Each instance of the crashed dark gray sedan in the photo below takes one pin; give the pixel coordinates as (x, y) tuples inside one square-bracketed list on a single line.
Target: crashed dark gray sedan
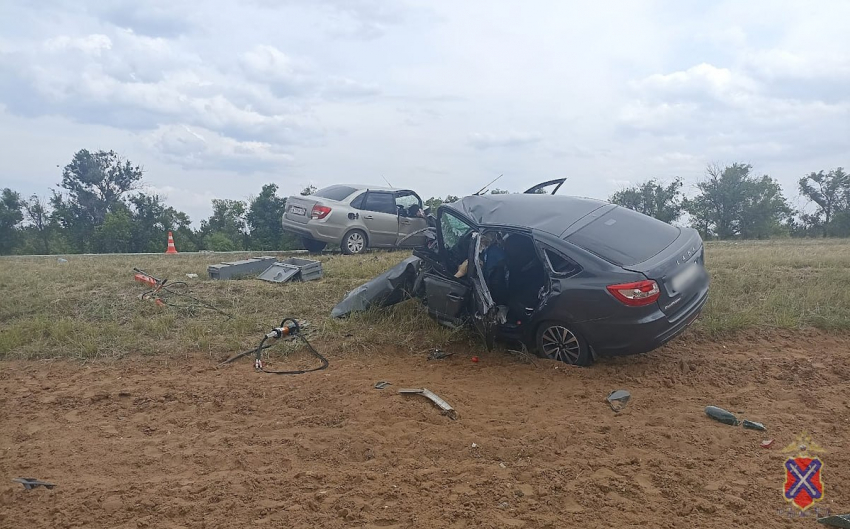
[(572, 278)]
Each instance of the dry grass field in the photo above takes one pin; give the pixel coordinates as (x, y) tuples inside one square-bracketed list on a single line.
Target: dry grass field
[(89, 306)]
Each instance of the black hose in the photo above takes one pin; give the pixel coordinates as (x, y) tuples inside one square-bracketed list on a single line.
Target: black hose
[(258, 351)]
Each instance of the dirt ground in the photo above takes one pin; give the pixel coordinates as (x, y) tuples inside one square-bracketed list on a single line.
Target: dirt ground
[(156, 442)]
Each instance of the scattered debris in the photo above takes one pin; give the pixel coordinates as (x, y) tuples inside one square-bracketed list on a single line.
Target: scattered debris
[(839, 520), (31, 483), (474, 445), (475, 359), (750, 425), (289, 327), (438, 354), (719, 414), (382, 384), (235, 269), (767, 443), (165, 292), (389, 288), (618, 399), (192, 276), (502, 465), (293, 269), (61, 260), (447, 409)]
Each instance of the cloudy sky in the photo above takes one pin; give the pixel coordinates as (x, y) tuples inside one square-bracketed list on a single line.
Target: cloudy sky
[(217, 98)]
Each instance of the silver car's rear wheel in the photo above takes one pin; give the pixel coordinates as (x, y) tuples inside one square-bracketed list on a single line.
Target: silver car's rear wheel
[(557, 341), (353, 243)]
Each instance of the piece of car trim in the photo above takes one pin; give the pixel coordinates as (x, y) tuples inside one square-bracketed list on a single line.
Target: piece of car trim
[(443, 405), (31, 483)]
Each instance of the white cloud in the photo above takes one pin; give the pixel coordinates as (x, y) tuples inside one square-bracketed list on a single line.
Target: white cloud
[(91, 44), (431, 94), (487, 140), (197, 148)]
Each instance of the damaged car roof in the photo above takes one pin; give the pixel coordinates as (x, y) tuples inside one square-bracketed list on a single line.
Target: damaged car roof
[(550, 213)]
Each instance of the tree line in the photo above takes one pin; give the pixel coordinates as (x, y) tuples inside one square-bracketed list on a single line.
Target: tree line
[(98, 208), (734, 203)]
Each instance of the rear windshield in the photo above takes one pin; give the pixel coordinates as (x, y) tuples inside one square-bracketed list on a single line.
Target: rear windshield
[(625, 237), (334, 192)]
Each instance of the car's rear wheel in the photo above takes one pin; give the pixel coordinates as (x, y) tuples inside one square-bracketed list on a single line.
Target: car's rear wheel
[(558, 341), (353, 243), (312, 245)]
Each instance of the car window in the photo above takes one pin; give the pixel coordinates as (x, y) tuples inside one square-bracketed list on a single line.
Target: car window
[(380, 202), (408, 205), (452, 229), (334, 192), (357, 203), (561, 264), (406, 201)]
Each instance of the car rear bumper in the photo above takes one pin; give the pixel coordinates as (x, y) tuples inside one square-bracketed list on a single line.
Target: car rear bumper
[(610, 338), (315, 231)]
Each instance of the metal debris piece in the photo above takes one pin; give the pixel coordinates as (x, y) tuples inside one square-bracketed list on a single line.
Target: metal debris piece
[(382, 384), (719, 414), (438, 354), (236, 269), (750, 425), (839, 520), (767, 443), (31, 483), (618, 399), (447, 409)]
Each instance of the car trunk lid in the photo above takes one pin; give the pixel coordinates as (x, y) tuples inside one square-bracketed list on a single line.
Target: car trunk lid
[(679, 271), (298, 209)]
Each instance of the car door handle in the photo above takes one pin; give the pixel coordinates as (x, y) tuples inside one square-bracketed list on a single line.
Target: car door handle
[(454, 297), (406, 222), (367, 216)]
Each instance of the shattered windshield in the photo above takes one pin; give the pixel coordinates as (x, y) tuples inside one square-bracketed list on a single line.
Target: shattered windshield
[(453, 229)]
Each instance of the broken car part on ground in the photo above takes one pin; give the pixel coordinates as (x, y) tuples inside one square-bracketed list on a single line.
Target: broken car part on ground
[(32, 483), (433, 397), (618, 399), (572, 278)]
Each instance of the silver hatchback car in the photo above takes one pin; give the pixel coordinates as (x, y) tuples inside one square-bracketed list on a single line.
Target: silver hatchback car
[(356, 217)]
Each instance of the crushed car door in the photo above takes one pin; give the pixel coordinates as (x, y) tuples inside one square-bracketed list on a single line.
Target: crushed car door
[(447, 294), (411, 220), (446, 299), (540, 189)]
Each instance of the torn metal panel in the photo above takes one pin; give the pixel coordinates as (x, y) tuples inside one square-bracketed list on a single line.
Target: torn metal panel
[(393, 286), (280, 273), (443, 405), (234, 269)]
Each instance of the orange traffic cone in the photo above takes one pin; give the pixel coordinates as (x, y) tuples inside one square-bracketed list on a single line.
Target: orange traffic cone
[(171, 248)]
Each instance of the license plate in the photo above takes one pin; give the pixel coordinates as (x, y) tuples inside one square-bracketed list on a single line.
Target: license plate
[(684, 278), (297, 210)]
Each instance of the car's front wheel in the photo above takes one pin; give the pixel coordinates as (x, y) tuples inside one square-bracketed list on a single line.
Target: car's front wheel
[(558, 341), (312, 245), (353, 243)]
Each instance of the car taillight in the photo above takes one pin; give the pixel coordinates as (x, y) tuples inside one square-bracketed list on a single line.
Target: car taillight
[(319, 212), (636, 294)]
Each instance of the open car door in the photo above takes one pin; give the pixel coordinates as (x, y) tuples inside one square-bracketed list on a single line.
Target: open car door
[(540, 189), (485, 314)]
